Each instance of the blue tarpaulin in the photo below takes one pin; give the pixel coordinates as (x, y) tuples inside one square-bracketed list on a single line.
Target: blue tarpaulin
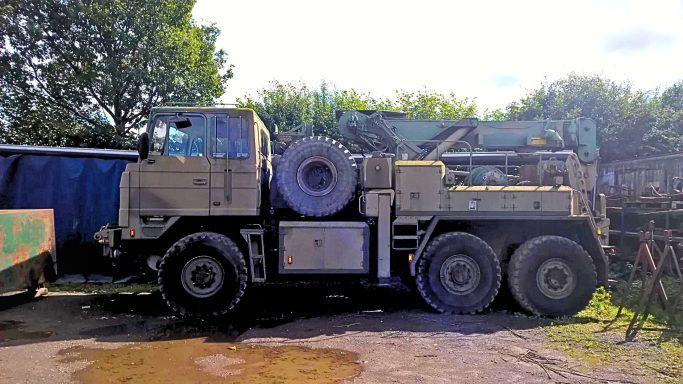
[(82, 189)]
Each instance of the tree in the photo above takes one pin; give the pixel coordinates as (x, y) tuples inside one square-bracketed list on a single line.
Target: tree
[(672, 97), (629, 121), (288, 105), (672, 109), (86, 73), (283, 105), (432, 105)]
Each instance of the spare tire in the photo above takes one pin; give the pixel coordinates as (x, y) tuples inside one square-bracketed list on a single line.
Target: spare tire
[(317, 176), (276, 200)]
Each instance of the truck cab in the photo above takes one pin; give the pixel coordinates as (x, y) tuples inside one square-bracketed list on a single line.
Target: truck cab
[(201, 163)]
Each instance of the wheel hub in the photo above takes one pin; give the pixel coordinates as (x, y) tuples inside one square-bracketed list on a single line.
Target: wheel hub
[(460, 274), (202, 276), (316, 176), (555, 279)]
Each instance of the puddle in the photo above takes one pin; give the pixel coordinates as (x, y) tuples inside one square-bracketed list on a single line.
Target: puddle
[(11, 330), (195, 360)]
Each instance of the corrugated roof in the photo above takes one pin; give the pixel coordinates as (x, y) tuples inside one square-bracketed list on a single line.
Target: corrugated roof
[(667, 156)]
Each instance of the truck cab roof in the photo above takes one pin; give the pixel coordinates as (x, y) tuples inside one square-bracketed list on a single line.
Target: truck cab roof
[(209, 109)]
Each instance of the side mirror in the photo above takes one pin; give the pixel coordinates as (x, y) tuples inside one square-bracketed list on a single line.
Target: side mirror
[(143, 146)]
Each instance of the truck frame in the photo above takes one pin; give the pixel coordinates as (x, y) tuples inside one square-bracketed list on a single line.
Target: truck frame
[(452, 205)]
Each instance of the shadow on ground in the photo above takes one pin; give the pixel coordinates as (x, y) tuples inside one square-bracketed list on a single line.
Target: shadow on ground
[(274, 310)]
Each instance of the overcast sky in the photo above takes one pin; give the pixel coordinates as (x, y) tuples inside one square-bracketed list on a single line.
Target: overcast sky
[(493, 51)]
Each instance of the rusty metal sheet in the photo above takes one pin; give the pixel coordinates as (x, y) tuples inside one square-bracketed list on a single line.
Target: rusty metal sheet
[(27, 248)]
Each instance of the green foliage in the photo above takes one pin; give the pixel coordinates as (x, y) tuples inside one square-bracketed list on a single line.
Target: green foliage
[(86, 73), (631, 122), (281, 105), (672, 97), (600, 307), (671, 118), (432, 105), (496, 115), (288, 105)]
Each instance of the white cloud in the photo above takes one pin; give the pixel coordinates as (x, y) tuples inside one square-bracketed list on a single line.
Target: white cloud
[(491, 50), (503, 80), (637, 40)]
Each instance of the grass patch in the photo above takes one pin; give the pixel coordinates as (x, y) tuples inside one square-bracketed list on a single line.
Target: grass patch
[(596, 337), (104, 288)]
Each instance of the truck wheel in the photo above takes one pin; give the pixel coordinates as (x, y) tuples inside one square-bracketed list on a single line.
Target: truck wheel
[(203, 274), (458, 273), (317, 176), (552, 275)]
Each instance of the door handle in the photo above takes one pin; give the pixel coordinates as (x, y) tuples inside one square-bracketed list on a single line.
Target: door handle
[(199, 181)]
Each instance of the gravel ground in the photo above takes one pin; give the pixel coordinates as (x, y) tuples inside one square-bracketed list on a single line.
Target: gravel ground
[(390, 335)]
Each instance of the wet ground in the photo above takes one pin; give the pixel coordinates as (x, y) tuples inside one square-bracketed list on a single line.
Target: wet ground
[(195, 360), (13, 331), (315, 333)]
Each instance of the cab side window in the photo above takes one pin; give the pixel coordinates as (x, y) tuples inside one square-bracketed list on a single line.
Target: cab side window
[(177, 141), (231, 138), (178, 135), (265, 142), (158, 142)]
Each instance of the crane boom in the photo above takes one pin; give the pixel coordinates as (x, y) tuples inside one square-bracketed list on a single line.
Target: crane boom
[(420, 139)]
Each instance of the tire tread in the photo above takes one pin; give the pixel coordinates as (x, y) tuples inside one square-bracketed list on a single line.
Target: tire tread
[(521, 257), (421, 275), (177, 249), (288, 188)]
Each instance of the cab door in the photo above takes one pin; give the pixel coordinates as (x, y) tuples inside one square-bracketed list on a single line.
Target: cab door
[(235, 181), (174, 179)]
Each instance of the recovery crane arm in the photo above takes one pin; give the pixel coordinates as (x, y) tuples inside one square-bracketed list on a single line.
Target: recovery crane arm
[(427, 139)]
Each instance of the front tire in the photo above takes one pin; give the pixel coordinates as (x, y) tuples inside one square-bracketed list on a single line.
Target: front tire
[(552, 275), (458, 273), (203, 274)]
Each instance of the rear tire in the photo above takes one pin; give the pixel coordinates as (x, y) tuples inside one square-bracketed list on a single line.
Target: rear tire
[(317, 176), (552, 275), (203, 274), (458, 273)]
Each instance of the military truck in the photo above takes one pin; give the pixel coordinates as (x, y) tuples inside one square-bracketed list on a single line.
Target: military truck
[(448, 205)]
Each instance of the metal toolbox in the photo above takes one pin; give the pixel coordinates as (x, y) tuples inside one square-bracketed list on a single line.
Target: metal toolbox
[(324, 247)]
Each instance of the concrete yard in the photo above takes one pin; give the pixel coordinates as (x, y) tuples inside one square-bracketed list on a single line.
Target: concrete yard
[(282, 334)]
